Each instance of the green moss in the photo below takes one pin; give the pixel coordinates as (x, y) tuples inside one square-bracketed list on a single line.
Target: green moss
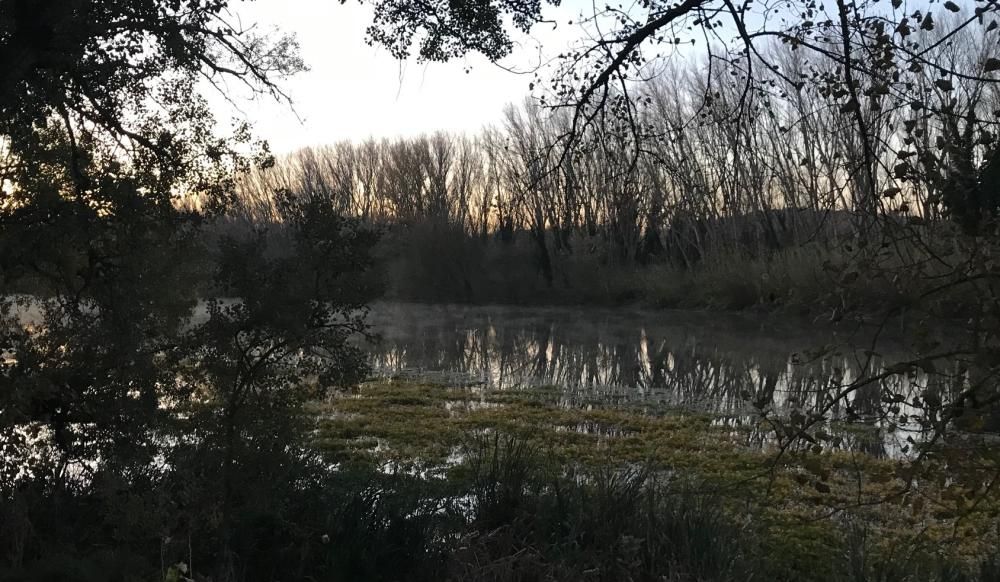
[(789, 501)]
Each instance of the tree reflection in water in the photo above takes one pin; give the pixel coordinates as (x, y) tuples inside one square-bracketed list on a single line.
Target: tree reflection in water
[(732, 365)]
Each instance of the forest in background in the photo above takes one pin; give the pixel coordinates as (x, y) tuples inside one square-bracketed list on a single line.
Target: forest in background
[(704, 212)]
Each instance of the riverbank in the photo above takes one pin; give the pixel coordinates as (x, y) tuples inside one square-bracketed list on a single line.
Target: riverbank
[(814, 281), (824, 512), (471, 272)]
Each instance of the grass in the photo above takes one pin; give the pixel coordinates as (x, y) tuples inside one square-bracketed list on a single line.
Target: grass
[(810, 515)]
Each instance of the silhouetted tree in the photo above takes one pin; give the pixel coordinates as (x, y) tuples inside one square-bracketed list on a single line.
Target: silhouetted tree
[(144, 421)]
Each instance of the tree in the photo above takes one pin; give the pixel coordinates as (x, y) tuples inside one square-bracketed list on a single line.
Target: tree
[(124, 73), (125, 388), (911, 104)]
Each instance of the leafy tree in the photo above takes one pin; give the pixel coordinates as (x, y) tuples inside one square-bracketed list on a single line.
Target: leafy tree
[(133, 415)]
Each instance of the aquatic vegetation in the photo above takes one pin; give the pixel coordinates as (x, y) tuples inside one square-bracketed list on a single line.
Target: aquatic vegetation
[(799, 505)]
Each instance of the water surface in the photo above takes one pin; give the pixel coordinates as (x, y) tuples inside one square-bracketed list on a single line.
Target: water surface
[(729, 364)]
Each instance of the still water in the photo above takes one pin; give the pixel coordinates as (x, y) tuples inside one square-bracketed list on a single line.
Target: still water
[(728, 364)]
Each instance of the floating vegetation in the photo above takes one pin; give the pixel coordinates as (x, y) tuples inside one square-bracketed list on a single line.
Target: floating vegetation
[(795, 496)]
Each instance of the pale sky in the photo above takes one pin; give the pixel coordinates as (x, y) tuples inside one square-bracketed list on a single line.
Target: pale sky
[(354, 91)]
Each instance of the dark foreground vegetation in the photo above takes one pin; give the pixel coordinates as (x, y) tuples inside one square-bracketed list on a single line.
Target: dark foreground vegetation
[(502, 515), (836, 516), (176, 309)]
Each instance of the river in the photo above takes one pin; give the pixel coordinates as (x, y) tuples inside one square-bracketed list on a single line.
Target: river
[(733, 365)]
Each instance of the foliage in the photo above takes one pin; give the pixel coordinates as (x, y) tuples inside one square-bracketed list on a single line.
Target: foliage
[(151, 386), (446, 30)]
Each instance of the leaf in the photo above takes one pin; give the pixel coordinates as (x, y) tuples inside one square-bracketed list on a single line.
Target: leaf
[(927, 23), (991, 64), (944, 84), (897, 3), (951, 6)]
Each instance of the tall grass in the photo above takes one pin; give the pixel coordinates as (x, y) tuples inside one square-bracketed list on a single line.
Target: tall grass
[(536, 522)]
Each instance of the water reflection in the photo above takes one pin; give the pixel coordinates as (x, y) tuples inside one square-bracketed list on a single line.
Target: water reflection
[(731, 365)]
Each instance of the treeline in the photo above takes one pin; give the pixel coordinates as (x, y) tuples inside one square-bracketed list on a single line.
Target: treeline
[(682, 187)]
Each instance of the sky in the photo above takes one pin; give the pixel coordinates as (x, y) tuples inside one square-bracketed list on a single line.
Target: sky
[(353, 91)]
